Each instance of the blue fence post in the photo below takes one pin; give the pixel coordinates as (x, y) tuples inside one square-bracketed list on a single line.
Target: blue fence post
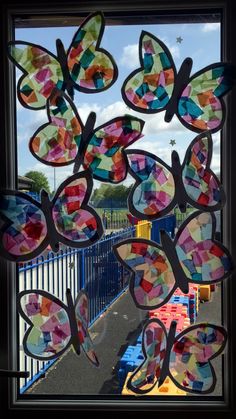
[(167, 223), (82, 269)]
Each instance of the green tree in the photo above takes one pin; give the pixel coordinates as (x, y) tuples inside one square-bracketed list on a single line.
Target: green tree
[(110, 195), (40, 181)]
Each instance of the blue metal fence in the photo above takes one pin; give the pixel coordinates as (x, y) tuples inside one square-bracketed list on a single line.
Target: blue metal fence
[(95, 269)]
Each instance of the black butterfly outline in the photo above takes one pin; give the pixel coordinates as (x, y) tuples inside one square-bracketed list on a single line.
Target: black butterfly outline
[(87, 133), (68, 83), (171, 339), (181, 80), (53, 237), (168, 247), (180, 198), (70, 310)]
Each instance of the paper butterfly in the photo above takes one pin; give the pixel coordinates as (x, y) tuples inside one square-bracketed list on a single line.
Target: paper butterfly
[(55, 326), (65, 140), (85, 66), (184, 358), (156, 86), (194, 256), (30, 225), (159, 188)]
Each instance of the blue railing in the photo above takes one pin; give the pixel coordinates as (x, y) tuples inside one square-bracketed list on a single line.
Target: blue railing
[(95, 269)]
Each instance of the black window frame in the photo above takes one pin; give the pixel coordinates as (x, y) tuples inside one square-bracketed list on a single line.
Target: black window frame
[(8, 179)]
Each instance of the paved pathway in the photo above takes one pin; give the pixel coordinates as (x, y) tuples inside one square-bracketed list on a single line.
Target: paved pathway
[(112, 333), (119, 327)]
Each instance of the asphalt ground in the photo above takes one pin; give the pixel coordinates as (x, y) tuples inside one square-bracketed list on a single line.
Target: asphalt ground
[(112, 333)]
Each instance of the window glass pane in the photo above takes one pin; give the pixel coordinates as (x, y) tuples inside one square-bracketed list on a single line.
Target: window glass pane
[(116, 325)]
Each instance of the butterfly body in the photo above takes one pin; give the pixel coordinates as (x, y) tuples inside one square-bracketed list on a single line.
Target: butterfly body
[(182, 78), (62, 59), (85, 138), (55, 326), (181, 279), (47, 210), (159, 187), (84, 67), (185, 358), (73, 324)]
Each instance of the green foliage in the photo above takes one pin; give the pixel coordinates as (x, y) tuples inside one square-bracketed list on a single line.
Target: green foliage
[(110, 195), (40, 181)]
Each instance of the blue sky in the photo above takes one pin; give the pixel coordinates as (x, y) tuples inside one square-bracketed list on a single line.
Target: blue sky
[(201, 42)]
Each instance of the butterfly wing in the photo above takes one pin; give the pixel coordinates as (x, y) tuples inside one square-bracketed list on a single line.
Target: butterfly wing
[(41, 73), (82, 321), (154, 342), (202, 259), (76, 223), (152, 195), (200, 106), (152, 281), (57, 142), (91, 68), (49, 334), (104, 154), (201, 184), (193, 349), (24, 231), (149, 88)]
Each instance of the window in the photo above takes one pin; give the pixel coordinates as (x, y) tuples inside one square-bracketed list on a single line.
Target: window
[(126, 15)]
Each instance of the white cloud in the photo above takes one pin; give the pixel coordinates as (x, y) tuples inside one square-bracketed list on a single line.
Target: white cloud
[(103, 114), (130, 56), (30, 122), (85, 109), (154, 124), (210, 27), (174, 49)]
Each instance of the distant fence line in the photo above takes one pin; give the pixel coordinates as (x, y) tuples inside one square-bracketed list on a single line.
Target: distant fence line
[(114, 213)]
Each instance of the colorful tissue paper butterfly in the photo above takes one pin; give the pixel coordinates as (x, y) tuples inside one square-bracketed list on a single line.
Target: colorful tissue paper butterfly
[(54, 326), (193, 257), (184, 358), (65, 140), (85, 66), (30, 226), (159, 188), (156, 86)]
